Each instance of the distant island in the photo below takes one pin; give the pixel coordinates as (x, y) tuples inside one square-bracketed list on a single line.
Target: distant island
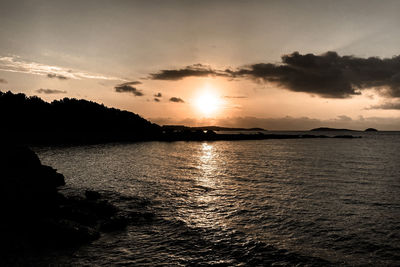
[(326, 129), (370, 130), (30, 120)]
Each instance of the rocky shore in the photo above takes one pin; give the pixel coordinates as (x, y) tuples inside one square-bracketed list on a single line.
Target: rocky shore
[(35, 215)]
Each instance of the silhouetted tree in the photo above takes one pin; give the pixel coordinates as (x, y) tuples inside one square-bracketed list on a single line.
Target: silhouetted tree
[(69, 120)]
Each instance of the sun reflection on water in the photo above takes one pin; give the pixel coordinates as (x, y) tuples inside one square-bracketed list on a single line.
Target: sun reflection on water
[(205, 196), (207, 165)]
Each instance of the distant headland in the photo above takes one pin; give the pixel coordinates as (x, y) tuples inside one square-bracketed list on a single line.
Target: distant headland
[(211, 128), (327, 129)]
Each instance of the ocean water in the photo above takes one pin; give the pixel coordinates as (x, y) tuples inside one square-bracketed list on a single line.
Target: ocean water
[(305, 202)]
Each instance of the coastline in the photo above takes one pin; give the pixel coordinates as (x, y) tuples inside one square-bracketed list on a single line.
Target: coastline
[(74, 139), (38, 218)]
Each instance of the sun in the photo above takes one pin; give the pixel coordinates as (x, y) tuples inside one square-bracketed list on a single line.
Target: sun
[(208, 103)]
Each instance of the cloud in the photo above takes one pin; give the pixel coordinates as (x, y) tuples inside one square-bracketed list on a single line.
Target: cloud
[(328, 75), (3, 80), (50, 91), (387, 105), (15, 64), (126, 88), (133, 83), (176, 100), (156, 97), (196, 70), (53, 75), (233, 96)]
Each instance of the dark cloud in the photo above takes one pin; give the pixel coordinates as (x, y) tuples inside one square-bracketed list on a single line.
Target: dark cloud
[(328, 75), (126, 88), (176, 100), (233, 96), (58, 76), (158, 95), (50, 91), (197, 70), (132, 83), (156, 100), (3, 80), (387, 105)]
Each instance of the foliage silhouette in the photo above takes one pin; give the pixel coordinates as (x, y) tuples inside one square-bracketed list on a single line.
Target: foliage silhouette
[(69, 120)]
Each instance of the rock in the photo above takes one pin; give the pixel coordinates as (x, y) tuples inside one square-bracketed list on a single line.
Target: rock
[(34, 212), (211, 133), (103, 209), (140, 217), (70, 232), (26, 186), (114, 223), (92, 195), (77, 214)]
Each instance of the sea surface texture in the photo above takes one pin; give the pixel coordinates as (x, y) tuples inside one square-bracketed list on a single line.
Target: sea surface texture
[(299, 202)]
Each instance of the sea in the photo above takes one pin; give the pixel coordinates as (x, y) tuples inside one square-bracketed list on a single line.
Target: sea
[(287, 202)]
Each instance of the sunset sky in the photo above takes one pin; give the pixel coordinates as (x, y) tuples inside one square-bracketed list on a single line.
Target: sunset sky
[(280, 65)]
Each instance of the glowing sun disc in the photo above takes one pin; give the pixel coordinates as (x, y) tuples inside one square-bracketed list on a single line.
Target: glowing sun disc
[(207, 103)]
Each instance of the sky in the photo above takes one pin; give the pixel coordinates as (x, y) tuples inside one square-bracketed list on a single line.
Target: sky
[(279, 65)]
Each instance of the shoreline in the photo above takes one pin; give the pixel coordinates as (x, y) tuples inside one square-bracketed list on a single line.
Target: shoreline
[(166, 137), (38, 216)]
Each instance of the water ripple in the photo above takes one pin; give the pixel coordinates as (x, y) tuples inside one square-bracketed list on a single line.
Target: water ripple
[(245, 203)]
